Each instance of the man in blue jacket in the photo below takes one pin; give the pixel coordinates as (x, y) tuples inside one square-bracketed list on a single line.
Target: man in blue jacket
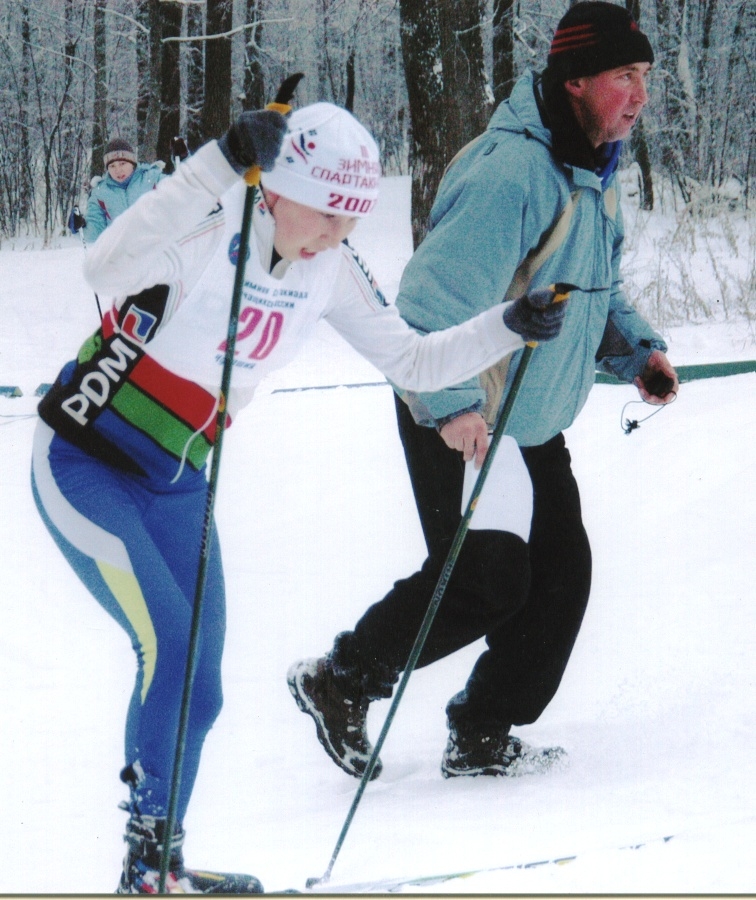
[(533, 202)]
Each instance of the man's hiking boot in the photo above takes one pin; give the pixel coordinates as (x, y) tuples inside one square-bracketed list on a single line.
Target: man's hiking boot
[(339, 715), (493, 751)]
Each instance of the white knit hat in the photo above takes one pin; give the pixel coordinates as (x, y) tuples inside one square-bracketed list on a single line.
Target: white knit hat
[(327, 161)]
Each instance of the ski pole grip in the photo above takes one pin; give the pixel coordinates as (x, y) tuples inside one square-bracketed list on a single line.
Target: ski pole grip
[(561, 293), (252, 175)]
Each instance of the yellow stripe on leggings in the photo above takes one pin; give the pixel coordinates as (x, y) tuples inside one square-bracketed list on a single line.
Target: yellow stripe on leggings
[(126, 590)]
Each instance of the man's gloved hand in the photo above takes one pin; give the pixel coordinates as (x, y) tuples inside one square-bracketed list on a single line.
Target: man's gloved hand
[(76, 221), (254, 140), (535, 316)]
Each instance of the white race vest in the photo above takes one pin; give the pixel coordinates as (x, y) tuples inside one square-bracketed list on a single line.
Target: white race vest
[(275, 317)]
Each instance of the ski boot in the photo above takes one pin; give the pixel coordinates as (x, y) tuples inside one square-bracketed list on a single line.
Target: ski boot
[(145, 836), (340, 719), (476, 750)]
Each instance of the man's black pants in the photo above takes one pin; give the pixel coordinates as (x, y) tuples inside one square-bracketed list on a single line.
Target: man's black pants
[(528, 600)]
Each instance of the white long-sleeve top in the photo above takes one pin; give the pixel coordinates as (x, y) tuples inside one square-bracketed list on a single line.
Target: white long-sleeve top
[(170, 262), (148, 245)]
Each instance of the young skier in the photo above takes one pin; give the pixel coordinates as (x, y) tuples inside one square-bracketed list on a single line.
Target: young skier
[(534, 199), (124, 181), (119, 454)]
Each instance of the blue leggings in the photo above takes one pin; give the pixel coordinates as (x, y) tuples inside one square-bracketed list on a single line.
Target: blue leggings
[(136, 548)]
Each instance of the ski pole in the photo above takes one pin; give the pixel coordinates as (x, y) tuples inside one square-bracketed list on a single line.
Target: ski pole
[(561, 293), (77, 213), (252, 178)]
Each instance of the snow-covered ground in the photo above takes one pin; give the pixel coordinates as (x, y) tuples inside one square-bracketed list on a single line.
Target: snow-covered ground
[(656, 711)]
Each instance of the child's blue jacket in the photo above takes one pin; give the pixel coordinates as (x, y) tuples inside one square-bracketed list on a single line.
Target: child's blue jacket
[(109, 198)]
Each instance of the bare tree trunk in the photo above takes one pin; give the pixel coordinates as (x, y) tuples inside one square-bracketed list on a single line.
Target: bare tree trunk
[(421, 52), (142, 15), (216, 109), (638, 141), (149, 62), (503, 49), (99, 116), (640, 148), (326, 87), (25, 202), (66, 165), (444, 69), (350, 81), (675, 139), (735, 50), (69, 142), (195, 76), (254, 80), (170, 81), (705, 123)]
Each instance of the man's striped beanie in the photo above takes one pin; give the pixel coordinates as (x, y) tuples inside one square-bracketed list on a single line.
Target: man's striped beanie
[(593, 37)]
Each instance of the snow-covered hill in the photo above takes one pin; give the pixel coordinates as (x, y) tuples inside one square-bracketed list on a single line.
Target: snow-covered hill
[(317, 520)]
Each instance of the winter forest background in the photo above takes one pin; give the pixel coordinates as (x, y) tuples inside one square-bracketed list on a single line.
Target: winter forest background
[(655, 709), (423, 75)]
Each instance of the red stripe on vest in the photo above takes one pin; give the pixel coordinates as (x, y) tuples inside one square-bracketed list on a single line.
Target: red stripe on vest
[(186, 400)]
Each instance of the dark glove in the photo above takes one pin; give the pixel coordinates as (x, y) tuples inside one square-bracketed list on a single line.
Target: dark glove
[(657, 383), (179, 149), (535, 316), (76, 221), (254, 140)]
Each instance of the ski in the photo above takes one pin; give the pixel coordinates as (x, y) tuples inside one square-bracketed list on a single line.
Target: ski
[(395, 885), (193, 881), (224, 883), (330, 387)]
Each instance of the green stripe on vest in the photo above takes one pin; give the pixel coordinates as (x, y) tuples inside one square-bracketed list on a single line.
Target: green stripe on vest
[(159, 424)]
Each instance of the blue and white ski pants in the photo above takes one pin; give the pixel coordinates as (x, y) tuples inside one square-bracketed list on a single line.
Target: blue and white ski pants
[(136, 548)]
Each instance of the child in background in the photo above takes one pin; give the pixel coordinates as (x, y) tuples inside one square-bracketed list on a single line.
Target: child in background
[(124, 181)]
